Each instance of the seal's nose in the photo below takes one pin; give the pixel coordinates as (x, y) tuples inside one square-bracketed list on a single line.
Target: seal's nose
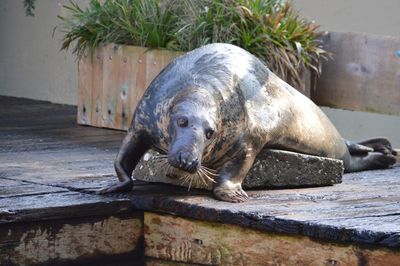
[(184, 162), (192, 166)]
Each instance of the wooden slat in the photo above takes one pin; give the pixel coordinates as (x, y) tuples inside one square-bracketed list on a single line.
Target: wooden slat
[(59, 206), (17, 189), (364, 74), (130, 92), (85, 90), (149, 64), (119, 77), (120, 74), (183, 240), (97, 87), (111, 69), (158, 262), (72, 241), (363, 209)]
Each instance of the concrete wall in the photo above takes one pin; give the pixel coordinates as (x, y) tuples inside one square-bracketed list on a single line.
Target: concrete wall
[(31, 65), (371, 16), (359, 125)]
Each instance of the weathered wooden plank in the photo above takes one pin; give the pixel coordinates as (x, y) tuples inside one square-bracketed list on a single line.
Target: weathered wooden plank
[(320, 213), (42, 144), (61, 155), (158, 262), (111, 62), (59, 206), (120, 84), (62, 135), (156, 60), (55, 146), (85, 69), (14, 188), (97, 87), (183, 240), (120, 75), (72, 240), (364, 74), (71, 177)]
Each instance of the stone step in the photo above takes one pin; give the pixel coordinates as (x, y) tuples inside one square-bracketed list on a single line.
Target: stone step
[(271, 169)]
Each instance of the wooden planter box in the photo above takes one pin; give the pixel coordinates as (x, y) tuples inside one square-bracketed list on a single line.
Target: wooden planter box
[(111, 85), (363, 76)]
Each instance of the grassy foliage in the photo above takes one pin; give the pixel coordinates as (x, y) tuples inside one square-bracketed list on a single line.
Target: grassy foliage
[(29, 6), (132, 22), (269, 29)]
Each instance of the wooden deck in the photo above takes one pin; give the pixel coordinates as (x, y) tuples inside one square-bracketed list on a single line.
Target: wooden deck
[(50, 167)]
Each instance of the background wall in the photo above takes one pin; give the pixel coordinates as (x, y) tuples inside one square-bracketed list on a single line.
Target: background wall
[(371, 16), (32, 66)]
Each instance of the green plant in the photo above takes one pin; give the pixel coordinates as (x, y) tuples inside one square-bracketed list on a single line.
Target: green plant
[(132, 22), (269, 29), (29, 6)]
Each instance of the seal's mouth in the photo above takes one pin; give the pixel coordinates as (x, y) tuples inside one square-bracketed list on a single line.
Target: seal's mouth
[(199, 176), (186, 163)]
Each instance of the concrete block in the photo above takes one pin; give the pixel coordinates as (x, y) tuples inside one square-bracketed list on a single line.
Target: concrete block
[(271, 169)]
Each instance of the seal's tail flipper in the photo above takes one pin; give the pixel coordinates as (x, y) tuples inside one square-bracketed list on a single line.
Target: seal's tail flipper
[(358, 149), (397, 155), (371, 154), (381, 145)]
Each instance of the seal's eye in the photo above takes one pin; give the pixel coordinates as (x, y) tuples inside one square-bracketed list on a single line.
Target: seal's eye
[(209, 133), (182, 122)]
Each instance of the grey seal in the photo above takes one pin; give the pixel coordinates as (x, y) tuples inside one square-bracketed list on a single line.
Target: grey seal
[(213, 110)]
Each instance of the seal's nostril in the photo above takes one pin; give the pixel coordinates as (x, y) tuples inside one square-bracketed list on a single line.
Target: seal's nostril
[(179, 159), (182, 121)]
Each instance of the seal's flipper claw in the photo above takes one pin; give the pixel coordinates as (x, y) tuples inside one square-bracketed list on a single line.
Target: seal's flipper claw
[(381, 145), (374, 160), (230, 193), (358, 149), (382, 161), (119, 187)]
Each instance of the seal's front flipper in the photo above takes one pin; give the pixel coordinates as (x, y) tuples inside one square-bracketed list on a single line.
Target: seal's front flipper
[(229, 191), (132, 149), (230, 177), (119, 187)]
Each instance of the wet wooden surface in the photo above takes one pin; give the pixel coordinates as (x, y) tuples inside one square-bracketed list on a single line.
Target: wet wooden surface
[(50, 167)]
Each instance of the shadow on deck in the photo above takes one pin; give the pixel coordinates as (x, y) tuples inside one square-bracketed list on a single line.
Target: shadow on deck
[(50, 167)]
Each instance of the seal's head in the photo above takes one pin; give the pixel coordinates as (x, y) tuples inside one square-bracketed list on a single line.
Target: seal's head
[(192, 127)]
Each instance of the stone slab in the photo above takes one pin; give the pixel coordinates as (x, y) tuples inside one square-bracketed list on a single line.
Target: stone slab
[(271, 169)]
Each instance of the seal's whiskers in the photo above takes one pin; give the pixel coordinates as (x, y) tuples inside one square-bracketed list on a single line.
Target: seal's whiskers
[(201, 178), (206, 175), (160, 157), (209, 171)]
